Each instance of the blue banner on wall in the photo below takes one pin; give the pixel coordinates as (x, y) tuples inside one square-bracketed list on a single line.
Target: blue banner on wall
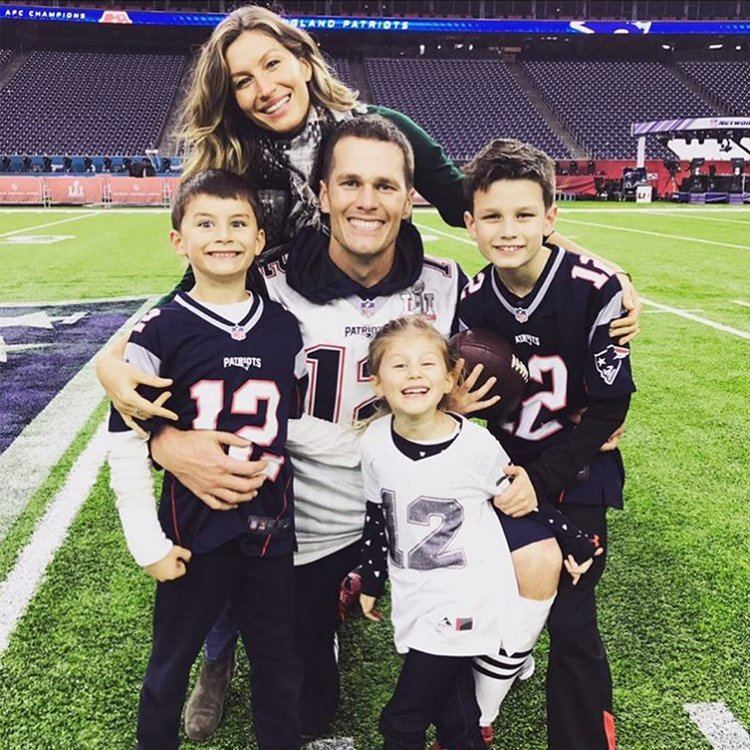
[(389, 25)]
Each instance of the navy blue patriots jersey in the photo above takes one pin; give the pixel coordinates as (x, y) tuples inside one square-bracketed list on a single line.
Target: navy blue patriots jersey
[(561, 331), (247, 378)]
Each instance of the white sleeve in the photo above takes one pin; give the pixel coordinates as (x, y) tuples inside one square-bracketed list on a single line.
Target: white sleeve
[(130, 477), (497, 459), (327, 442), (369, 477)]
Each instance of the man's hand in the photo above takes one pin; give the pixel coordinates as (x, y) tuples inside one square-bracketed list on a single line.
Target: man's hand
[(627, 328), (520, 498), (368, 608), (120, 380), (463, 400), (197, 459), (173, 565)]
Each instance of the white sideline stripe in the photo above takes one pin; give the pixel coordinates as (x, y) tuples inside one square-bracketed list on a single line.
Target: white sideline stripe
[(58, 303), (660, 312), (629, 209), (718, 726), (697, 319), (336, 743), (19, 587), (664, 308), (741, 302), (110, 210), (51, 223), (26, 462), (684, 238)]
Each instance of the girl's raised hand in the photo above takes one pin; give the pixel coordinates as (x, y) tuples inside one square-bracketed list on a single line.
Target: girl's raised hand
[(464, 398), (368, 608)]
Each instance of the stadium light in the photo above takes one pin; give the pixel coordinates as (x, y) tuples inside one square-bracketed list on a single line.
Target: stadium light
[(715, 46), (666, 46)]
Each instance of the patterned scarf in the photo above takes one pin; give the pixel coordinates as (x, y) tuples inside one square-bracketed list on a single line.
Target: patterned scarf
[(287, 170)]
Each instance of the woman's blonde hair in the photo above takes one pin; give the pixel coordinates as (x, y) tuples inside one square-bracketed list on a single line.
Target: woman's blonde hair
[(398, 327), (211, 124)]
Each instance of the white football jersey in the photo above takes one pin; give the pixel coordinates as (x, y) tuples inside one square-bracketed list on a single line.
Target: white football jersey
[(329, 504), (453, 587)]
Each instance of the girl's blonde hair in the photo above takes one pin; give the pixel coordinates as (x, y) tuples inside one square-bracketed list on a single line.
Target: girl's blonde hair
[(398, 327), (211, 124)]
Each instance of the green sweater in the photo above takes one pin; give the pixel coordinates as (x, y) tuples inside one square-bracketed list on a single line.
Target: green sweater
[(436, 178)]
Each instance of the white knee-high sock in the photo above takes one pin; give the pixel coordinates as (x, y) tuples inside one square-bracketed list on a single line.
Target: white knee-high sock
[(495, 674)]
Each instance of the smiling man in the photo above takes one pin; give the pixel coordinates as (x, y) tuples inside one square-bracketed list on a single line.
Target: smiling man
[(342, 287)]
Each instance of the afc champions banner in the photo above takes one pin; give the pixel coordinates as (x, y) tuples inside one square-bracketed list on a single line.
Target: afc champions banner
[(87, 190), (21, 190)]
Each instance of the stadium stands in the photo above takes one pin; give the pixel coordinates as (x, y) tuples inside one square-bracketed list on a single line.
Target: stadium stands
[(88, 102), (461, 103), (597, 101), (5, 55), (343, 70), (728, 81)]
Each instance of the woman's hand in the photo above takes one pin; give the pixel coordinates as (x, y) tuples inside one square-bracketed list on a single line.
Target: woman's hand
[(627, 328), (120, 380), (197, 459)]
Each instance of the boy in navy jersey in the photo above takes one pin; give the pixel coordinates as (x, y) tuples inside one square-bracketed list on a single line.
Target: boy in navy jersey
[(556, 308), (237, 365)]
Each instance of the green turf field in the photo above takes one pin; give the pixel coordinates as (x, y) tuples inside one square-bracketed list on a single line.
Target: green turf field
[(673, 603)]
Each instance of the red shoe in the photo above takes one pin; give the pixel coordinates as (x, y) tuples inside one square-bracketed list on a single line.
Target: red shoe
[(488, 735), (349, 593)]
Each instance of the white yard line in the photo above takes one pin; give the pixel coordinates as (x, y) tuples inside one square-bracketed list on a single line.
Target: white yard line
[(718, 726), (664, 312), (697, 319), (19, 587), (662, 235), (51, 223), (44, 440), (631, 208), (57, 303), (664, 308), (741, 302)]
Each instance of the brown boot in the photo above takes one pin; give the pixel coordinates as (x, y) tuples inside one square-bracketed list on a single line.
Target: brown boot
[(206, 703)]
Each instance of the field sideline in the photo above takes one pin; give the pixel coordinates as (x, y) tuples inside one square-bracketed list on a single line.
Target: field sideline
[(673, 603)]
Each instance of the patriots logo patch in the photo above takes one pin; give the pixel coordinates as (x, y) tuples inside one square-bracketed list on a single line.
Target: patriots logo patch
[(609, 360)]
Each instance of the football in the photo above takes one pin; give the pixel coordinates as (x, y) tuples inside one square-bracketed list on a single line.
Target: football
[(481, 346)]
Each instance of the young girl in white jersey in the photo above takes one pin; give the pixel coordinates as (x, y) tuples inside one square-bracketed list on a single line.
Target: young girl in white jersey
[(429, 478)]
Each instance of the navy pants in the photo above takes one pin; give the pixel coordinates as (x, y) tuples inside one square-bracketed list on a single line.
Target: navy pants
[(579, 681), (261, 592), (317, 598), (436, 690)]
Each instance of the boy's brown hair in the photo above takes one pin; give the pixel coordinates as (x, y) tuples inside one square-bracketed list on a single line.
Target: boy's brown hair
[(508, 159), (217, 183)]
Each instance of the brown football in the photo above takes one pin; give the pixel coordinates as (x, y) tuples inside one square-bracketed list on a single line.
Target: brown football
[(485, 347)]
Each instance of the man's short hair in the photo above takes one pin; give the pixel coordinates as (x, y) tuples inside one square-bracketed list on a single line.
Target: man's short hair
[(508, 159), (217, 183), (370, 128)]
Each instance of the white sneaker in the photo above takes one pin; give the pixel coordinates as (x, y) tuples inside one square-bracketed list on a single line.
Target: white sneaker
[(528, 668)]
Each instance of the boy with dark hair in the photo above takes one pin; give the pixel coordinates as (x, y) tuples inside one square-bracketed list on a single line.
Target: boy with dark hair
[(237, 365), (556, 308)]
